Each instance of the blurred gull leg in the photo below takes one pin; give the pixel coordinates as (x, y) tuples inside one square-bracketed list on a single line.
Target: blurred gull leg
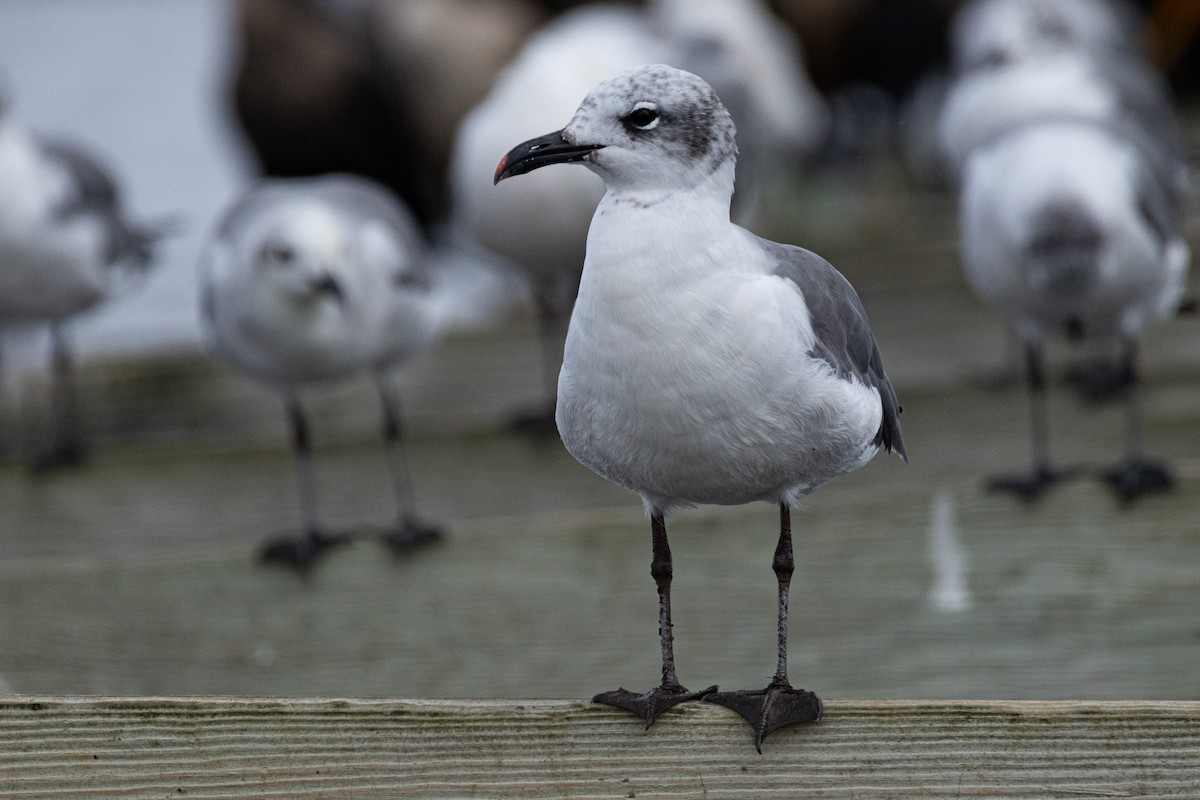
[(1135, 475), (64, 447), (301, 551), (1031, 485), (407, 532)]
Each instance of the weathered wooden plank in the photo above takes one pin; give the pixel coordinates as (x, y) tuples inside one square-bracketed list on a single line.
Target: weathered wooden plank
[(56, 747)]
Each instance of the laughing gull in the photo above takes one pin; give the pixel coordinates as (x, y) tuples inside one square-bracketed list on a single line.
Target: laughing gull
[(736, 45), (704, 364), (1071, 229), (310, 281), (66, 246)]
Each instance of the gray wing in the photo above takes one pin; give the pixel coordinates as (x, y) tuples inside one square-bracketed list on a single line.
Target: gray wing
[(843, 334), (1145, 99), (93, 192)]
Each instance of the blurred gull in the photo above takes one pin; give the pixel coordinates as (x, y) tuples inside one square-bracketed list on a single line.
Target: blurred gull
[(995, 32), (309, 281), (66, 246), (703, 364), (1018, 60), (1070, 228), (735, 44)]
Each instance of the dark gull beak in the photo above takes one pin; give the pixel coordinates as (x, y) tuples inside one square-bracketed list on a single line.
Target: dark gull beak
[(549, 149), (327, 284)]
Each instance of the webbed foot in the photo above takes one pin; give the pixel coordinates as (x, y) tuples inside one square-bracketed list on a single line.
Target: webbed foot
[(652, 703), (1132, 479), (771, 708), (299, 552)]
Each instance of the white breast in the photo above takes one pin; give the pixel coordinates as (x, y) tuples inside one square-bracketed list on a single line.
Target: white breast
[(690, 381)]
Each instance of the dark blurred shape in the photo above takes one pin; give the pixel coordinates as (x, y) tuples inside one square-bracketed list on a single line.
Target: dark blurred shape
[(888, 43), (1174, 30), (433, 61), (357, 87), (306, 100)]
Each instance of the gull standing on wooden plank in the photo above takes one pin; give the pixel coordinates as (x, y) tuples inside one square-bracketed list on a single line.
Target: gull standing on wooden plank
[(309, 281), (66, 246), (704, 364)]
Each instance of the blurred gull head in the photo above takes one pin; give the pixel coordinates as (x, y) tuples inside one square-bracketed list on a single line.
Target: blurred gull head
[(993, 33)]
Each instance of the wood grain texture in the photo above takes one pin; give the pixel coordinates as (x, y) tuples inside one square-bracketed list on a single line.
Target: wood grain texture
[(76, 748)]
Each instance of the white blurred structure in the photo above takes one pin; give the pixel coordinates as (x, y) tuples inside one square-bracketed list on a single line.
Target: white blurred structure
[(948, 591), (540, 224), (309, 281)]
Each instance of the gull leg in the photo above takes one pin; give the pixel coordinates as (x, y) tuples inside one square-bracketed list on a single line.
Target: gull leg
[(669, 693), (1135, 475), (539, 421), (1031, 485), (408, 532), (65, 448), (778, 704), (301, 552)]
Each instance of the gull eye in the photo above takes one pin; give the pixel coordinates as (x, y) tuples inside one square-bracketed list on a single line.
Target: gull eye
[(280, 253), (644, 117)]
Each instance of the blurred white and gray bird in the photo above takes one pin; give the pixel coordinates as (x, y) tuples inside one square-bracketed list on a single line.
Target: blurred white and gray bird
[(1023, 62), (1018, 60), (1071, 228), (735, 44), (66, 246), (702, 363), (995, 32), (313, 281)]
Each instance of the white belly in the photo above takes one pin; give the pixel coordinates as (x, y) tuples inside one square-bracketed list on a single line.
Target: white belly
[(706, 394)]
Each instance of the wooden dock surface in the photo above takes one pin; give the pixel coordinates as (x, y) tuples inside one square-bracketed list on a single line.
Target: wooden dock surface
[(57, 747)]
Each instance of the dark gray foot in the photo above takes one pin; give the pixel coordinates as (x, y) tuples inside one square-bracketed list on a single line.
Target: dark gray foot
[(299, 552), (771, 708), (1028, 486), (652, 703), (63, 455), (536, 423), (1133, 479), (404, 537)]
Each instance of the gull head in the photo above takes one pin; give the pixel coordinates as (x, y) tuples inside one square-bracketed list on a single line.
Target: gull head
[(303, 254), (648, 128)]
